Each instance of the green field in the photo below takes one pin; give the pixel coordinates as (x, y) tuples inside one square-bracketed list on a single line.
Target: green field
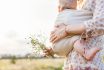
[(32, 64)]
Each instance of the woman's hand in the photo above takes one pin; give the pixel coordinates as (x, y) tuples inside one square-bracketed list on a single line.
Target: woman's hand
[(48, 52), (58, 34), (64, 31)]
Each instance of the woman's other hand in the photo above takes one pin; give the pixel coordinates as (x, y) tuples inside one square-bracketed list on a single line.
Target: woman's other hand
[(58, 34)]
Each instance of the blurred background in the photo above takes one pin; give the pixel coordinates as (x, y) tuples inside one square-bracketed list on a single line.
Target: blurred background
[(22, 21)]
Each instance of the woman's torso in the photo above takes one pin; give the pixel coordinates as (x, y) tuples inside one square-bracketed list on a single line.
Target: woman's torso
[(96, 41), (74, 57)]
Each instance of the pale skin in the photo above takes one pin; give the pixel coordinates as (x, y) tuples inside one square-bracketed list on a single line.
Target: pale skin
[(61, 31)]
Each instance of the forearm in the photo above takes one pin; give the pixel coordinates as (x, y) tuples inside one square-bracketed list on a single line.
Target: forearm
[(75, 29)]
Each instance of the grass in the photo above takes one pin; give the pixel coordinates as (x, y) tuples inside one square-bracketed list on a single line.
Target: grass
[(33, 64)]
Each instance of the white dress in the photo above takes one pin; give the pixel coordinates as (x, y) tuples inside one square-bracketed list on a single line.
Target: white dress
[(94, 29)]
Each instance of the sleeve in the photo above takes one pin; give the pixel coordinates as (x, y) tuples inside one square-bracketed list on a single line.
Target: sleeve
[(95, 26)]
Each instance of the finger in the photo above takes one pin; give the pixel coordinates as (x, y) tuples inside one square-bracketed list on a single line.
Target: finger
[(46, 54), (57, 25), (53, 38), (52, 32), (45, 51), (52, 35), (56, 39)]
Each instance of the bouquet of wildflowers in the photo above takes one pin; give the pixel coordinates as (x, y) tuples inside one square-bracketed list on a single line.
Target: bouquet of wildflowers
[(39, 47)]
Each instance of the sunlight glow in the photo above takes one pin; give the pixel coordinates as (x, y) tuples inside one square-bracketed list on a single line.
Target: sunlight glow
[(21, 18)]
